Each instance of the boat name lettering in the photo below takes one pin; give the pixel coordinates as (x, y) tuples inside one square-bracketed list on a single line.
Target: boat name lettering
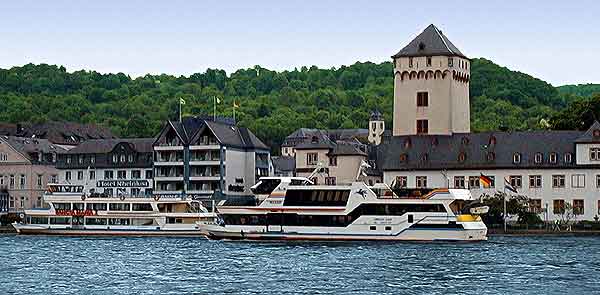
[(65, 212), (122, 183)]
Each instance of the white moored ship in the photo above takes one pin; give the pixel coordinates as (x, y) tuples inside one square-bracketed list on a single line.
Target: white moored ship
[(73, 212), (291, 208)]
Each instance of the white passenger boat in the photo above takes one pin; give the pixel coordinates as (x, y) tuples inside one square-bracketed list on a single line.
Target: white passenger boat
[(291, 208), (74, 212)]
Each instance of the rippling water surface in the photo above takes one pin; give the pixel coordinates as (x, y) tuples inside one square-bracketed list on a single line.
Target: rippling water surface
[(67, 265)]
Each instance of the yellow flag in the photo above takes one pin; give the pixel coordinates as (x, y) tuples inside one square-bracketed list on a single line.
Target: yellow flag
[(181, 101), (236, 104)]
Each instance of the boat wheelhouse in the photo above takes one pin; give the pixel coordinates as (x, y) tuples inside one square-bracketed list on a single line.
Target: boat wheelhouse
[(73, 212), (292, 208)]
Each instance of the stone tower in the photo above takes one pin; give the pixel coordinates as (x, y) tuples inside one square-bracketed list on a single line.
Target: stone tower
[(431, 86), (376, 127)]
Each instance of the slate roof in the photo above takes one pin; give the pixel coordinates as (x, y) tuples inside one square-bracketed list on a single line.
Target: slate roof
[(65, 133), (592, 135), (26, 145), (486, 150), (284, 163), (102, 146), (224, 129), (348, 149), (307, 135), (429, 43)]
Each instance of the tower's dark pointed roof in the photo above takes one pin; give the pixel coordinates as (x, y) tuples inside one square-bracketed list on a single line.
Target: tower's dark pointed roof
[(430, 42), (592, 135)]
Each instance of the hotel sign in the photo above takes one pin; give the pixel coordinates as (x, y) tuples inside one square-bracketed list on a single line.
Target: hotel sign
[(123, 183)]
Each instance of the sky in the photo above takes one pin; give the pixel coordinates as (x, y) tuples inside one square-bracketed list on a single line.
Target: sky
[(556, 41)]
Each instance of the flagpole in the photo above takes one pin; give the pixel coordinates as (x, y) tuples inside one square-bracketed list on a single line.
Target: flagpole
[(180, 110), (233, 112), (504, 199), (215, 108)]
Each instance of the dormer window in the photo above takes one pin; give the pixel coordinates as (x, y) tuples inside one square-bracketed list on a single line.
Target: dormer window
[(516, 158), (552, 158), (115, 158), (80, 159), (568, 158), (130, 158), (93, 159), (491, 156), (403, 158), (538, 158), (68, 159), (462, 157), (596, 133), (465, 140), (429, 61), (122, 158), (421, 46)]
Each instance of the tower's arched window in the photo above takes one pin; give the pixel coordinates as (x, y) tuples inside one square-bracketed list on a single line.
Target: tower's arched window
[(538, 158)]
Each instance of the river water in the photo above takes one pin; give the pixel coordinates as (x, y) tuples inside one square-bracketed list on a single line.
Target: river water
[(502, 265)]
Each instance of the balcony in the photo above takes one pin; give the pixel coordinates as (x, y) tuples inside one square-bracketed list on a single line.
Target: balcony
[(206, 178), (168, 178), (211, 146), (168, 148)]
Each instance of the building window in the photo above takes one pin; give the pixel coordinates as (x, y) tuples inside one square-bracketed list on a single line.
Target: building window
[(535, 181), (80, 159), (568, 158), (108, 192), (410, 62), (450, 62), (136, 192), (54, 178), (312, 158), (315, 180), (421, 181), (3, 157), (136, 174), (558, 181), (92, 175), (516, 158), (516, 181), (93, 159), (535, 206), (492, 181), (148, 174), (22, 181), (594, 154), (401, 181), (130, 158), (422, 127), (558, 206), (115, 159), (1, 180), (79, 175), (553, 158), (330, 180), (40, 180), (459, 182), (474, 182), (333, 161), (422, 99), (538, 158), (121, 174), (429, 61), (122, 158), (11, 183), (108, 174), (578, 180), (578, 207), (53, 157), (68, 159)]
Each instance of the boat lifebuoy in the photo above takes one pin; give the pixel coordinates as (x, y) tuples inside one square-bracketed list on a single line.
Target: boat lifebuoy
[(156, 197), (122, 198)]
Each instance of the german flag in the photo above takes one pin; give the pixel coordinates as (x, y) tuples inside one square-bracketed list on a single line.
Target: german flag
[(486, 181)]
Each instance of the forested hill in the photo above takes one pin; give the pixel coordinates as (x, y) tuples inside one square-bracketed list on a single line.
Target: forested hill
[(273, 104), (580, 90)]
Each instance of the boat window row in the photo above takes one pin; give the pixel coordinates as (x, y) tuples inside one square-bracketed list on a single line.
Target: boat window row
[(104, 206), (91, 221), (316, 198), (294, 219)]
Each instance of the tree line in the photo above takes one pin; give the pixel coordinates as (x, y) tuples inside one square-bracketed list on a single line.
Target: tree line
[(273, 104)]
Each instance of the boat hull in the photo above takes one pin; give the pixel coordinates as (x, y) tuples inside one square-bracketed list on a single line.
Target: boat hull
[(38, 230), (416, 235)]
